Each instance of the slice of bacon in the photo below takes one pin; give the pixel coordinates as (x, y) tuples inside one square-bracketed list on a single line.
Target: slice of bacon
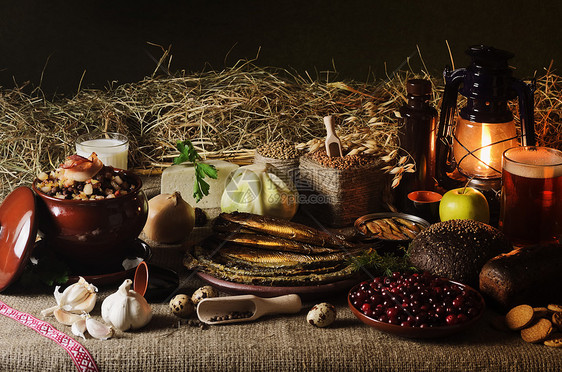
[(80, 169), (74, 160)]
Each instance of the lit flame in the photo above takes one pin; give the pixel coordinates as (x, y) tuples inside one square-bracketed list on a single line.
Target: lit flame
[(486, 152)]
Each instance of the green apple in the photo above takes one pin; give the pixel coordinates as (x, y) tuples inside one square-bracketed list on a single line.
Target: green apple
[(464, 203)]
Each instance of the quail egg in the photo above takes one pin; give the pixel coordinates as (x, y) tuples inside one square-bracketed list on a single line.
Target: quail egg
[(182, 306), (202, 293), (321, 315)]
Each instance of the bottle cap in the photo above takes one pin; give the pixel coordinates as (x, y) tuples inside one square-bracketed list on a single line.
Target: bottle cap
[(418, 87)]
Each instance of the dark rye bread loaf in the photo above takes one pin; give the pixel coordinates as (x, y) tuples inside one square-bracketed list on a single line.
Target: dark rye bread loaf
[(457, 249), (530, 275)]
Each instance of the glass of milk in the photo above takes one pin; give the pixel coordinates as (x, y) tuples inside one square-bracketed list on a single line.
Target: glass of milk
[(111, 148)]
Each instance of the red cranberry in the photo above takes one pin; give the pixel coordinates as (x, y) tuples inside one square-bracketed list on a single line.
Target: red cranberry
[(361, 296), (392, 312), (375, 299), (366, 307), (451, 319)]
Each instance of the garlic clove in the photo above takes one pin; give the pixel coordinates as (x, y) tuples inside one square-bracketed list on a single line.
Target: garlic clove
[(78, 297), (98, 329), (87, 305), (65, 317), (75, 293), (79, 327), (49, 311), (58, 294)]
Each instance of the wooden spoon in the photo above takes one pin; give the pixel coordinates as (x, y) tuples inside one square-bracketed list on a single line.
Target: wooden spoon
[(217, 310), (333, 144)]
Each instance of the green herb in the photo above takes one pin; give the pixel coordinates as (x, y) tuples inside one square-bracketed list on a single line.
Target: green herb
[(202, 170), (377, 264)]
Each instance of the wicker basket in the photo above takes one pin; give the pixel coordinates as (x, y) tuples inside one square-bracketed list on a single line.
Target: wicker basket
[(337, 197), (286, 169)]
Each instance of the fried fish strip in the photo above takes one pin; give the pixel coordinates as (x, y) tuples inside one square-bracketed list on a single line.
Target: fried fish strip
[(409, 224), (373, 227)]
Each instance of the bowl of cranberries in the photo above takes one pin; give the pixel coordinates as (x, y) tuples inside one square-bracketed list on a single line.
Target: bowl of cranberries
[(416, 305)]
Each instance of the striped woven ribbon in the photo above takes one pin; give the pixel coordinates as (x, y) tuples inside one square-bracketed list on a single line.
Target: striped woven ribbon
[(80, 356)]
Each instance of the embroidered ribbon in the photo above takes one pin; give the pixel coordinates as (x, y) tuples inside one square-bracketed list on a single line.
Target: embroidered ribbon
[(80, 356)]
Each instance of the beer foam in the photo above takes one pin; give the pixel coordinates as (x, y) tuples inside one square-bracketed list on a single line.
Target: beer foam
[(542, 163)]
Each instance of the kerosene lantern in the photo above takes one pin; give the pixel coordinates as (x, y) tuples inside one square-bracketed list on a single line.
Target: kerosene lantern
[(471, 151)]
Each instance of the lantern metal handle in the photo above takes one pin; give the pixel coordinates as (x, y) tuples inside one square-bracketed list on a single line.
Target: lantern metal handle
[(444, 154)]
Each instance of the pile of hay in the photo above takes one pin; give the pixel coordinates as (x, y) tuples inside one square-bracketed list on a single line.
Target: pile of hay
[(226, 114)]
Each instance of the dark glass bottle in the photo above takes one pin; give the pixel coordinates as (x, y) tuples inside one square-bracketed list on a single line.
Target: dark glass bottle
[(417, 136)]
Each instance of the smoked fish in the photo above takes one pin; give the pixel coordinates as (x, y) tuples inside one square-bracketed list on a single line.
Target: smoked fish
[(274, 243), (286, 229)]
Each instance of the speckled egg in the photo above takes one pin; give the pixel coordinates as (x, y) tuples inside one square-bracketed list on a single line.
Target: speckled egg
[(202, 293), (321, 315), (182, 306)]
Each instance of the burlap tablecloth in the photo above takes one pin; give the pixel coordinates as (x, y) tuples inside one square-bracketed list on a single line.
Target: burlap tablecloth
[(273, 343)]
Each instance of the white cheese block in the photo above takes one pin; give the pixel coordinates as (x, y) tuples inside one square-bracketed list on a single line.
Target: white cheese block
[(181, 178)]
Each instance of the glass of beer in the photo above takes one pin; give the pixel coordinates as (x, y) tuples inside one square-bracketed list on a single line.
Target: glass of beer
[(531, 196)]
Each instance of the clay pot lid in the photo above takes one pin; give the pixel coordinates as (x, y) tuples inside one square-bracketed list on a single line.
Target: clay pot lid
[(18, 229)]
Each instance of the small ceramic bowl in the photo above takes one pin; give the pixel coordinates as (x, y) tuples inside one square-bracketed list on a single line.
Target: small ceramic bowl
[(417, 332), (155, 283), (424, 204), (92, 233)]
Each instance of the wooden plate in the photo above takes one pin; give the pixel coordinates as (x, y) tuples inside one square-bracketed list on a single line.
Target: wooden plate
[(305, 291)]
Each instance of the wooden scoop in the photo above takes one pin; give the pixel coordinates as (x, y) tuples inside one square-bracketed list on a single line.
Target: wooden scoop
[(245, 308), (333, 144)]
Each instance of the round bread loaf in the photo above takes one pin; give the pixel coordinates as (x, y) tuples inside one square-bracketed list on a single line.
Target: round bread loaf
[(457, 249)]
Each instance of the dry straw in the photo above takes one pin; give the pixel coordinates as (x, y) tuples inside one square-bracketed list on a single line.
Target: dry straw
[(226, 114)]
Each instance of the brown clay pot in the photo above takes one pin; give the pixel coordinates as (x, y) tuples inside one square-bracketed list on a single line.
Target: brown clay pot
[(92, 234)]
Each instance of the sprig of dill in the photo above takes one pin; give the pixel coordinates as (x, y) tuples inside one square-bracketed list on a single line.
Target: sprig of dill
[(381, 264)]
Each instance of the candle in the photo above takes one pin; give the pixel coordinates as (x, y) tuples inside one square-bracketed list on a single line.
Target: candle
[(111, 148)]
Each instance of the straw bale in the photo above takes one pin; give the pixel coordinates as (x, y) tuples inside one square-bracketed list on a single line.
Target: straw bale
[(226, 114)]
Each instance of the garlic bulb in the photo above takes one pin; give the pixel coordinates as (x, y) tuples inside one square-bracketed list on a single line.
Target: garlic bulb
[(170, 218), (77, 298), (126, 308), (258, 189)]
